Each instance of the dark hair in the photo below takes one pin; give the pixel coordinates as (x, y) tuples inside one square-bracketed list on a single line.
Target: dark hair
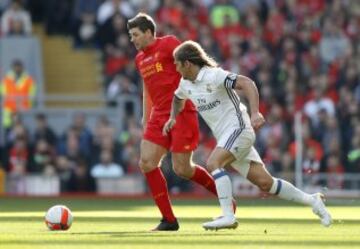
[(143, 22), (17, 62), (193, 52)]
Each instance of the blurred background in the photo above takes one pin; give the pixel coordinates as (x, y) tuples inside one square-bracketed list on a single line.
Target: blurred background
[(71, 95)]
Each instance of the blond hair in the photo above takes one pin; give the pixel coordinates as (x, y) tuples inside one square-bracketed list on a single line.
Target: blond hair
[(192, 51)]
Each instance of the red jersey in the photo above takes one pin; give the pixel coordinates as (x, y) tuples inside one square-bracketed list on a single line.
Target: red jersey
[(156, 66)]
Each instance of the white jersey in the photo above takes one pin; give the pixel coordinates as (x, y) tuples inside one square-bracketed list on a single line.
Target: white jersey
[(216, 101)]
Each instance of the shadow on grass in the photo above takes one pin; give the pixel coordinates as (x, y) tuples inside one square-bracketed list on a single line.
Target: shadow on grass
[(140, 220), (236, 241), (142, 234), (42, 204)]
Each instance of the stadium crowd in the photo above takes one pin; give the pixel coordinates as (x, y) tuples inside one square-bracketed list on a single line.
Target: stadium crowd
[(304, 56)]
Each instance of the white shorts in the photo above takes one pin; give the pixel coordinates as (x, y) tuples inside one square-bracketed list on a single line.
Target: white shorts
[(240, 144)]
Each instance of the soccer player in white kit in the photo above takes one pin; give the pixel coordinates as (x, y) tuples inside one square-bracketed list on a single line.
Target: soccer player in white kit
[(212, 90)]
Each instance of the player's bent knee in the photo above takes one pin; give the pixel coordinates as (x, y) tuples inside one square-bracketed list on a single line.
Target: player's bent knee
[(211, 166), (184, 172), (178, 171), (146, 165)]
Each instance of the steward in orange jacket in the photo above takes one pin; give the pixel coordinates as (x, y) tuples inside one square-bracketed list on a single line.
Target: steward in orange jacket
[(17, 91)]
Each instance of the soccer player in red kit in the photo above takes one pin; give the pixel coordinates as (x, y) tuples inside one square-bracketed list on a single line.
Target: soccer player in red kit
[(156, 66)]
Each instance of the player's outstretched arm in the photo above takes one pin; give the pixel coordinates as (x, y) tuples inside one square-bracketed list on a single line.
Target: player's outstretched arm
[(176, 107), (251, 92)]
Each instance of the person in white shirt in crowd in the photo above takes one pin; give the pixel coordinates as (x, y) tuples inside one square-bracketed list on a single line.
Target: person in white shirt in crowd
[(108, 8), (212, 90), (107, 168), (16, 20), (320, 102)]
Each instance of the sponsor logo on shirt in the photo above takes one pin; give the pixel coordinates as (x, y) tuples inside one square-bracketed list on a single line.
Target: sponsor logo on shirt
[(159, 67), (209, 106), (151, 69)]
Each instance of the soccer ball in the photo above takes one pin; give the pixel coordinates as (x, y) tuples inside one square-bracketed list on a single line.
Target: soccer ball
[(58, 217)]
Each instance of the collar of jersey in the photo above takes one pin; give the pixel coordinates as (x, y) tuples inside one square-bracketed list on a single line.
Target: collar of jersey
[(151, 46), (200, 75)]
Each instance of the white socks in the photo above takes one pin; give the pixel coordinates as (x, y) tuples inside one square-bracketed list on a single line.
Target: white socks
[(224, 191), (285, 190)]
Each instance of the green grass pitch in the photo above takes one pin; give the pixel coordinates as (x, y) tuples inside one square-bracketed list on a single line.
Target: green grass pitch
[(125, 223)]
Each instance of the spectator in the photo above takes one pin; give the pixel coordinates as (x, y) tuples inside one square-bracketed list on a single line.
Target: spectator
[(331, 132), (84, 22), (145, 5), (17, 129), (113, 39), (103, 130), (108, 8), (19, 157), (334, 44), (277, 126), (288, 167), (121, 85), (64, 169), (3, 5), (57, 19), (80, 179), (16, 20), (335, 170), (110, 144), (348, 113), (172, 12), (107, 168), (312, 149), (18, 90), (83, 134), (109, 31), (70, 146), (221, 11), (320, 101), (44, 158), (43, 131), (311, 163), (353, 157)]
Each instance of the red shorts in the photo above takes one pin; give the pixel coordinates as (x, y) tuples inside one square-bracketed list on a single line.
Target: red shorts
[(184, 136)]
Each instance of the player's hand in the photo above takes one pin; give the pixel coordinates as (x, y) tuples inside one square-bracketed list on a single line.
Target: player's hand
[(168, 126), (257, 120)]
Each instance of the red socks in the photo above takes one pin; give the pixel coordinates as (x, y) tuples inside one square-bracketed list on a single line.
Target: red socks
[(158, 186), (202, 177)]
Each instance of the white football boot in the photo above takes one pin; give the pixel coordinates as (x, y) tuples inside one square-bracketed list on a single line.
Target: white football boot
[(222, 222), (320, 210)]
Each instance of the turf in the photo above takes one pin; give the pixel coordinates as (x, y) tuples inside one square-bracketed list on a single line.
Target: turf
[(125, 223)]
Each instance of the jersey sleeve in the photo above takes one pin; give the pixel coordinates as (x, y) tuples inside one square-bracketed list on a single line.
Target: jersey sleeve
[(225, 78), (180, 92)]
